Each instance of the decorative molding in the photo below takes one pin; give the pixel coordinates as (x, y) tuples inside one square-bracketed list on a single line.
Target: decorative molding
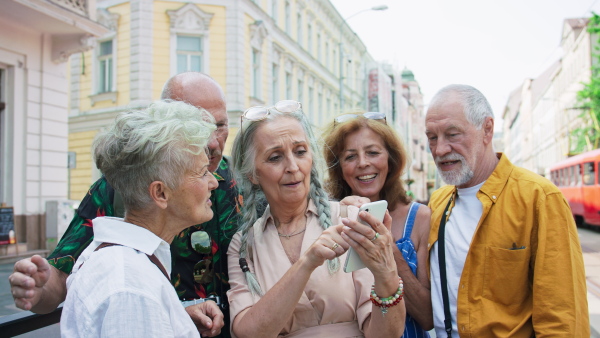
[(65, 45), (301, 4), (103, 97), (108, 19), (302, 70), (258, 33), (190, 18)]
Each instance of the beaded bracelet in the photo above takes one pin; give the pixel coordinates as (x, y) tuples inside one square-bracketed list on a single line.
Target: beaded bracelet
[(385, 303)]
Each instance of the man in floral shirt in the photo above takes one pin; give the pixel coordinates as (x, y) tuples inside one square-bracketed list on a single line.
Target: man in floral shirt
[(194, 274)]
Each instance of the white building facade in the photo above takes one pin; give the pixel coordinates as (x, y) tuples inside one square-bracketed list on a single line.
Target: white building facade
[(542, 113), (36, 39)]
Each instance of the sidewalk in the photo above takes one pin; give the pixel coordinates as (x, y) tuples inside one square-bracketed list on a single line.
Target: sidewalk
[(13, 253), (591, 259)]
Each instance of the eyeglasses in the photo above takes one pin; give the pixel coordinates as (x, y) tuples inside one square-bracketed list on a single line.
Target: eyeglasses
[(372, 115), (202, 244), (259, 113)]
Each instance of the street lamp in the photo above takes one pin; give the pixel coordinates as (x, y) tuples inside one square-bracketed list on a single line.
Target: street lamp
[(341, 46)]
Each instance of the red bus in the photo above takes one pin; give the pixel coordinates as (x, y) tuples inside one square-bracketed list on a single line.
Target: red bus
[(578, 178)]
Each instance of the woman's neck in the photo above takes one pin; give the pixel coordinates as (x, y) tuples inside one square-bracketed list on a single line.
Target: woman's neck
[(289, 220), (154, 222)]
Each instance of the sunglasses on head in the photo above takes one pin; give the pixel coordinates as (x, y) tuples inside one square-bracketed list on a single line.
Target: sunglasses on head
[(259, 113), (372, 115), (202, 244)]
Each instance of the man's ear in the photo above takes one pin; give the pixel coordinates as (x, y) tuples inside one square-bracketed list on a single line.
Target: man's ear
[(159, 193), (488, 130)]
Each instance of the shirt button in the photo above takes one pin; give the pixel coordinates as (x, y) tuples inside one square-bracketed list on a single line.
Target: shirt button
[(429, 245), (463, 328), (462, 286), (494, 197)]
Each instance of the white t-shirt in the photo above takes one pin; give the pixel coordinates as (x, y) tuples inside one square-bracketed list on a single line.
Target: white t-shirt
[(460, 228), (119, 292)]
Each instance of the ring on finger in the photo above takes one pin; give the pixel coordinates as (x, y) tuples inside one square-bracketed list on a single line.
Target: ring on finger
[(335, 246), (375, 237)]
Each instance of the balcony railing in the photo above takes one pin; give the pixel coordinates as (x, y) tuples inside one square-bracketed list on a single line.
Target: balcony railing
[(77, 6)]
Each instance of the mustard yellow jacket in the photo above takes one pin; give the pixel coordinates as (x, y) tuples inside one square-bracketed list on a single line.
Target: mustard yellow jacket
[(540, 288)]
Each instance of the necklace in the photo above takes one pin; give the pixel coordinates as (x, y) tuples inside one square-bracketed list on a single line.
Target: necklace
[(292, 234)]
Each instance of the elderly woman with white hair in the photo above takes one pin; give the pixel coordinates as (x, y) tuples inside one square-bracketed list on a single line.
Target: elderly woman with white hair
[(284, 267), (120, 284)]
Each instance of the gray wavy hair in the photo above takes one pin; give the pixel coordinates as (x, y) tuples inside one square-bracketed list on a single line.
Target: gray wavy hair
[(476, 106), (244, 154), (149, 145)]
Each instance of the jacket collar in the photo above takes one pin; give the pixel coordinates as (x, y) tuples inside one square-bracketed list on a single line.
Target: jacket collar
[(493, 186)]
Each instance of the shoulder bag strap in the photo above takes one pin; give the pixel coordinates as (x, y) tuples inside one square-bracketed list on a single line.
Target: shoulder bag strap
[(442, 262), (152, 259)]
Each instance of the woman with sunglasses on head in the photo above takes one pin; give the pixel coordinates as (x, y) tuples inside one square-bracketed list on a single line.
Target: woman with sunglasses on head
[(120, 287), (284, 267), (366, 158)]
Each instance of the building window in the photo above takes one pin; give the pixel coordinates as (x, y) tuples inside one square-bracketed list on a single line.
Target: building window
[(309, 46), (105, 67), (311, 102), (288, 18), (299, 29), (319, 47), (275, 83), (256, 83), (334, 68), (189, 36), (274, 13), (300, 96), (189, 53), (320, 108), (327, 54), (288, 86)]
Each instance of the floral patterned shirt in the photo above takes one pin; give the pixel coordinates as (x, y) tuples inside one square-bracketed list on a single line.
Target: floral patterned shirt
[(211, 269)]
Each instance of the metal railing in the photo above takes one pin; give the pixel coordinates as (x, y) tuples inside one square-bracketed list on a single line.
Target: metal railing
[(27, 321)]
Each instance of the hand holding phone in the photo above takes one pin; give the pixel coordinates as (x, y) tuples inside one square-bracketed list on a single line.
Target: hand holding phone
[(377, 209)]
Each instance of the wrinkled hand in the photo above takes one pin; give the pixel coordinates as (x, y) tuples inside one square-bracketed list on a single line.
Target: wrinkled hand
[(27, 281), (324, 247), (354, 200), (208, 318), (377, 254)]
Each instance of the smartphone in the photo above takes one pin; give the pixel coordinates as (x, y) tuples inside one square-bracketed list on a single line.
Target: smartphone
[(377, 209)]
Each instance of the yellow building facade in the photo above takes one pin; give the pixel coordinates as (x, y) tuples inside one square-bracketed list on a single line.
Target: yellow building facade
[(259, 51)]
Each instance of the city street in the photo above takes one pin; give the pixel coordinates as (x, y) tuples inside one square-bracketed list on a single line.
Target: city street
[(590, 244)]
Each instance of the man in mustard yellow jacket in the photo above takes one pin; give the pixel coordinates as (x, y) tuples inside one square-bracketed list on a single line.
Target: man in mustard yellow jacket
[(505, 258)]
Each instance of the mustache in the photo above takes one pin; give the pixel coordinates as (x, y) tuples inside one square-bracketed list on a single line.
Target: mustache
[(450, 157)]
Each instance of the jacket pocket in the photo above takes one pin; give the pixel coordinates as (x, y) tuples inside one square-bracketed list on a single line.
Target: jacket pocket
[(506, 277)]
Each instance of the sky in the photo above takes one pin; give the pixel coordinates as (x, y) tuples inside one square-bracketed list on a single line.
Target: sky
[(493, 45)]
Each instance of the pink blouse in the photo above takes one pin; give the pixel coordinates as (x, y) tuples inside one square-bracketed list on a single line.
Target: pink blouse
[(331, 305)]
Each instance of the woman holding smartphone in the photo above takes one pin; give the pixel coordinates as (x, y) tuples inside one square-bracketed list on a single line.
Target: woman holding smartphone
[(366, 158), (284, 267)]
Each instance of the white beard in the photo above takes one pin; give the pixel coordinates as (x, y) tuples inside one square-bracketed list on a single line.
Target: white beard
[(455, 177)]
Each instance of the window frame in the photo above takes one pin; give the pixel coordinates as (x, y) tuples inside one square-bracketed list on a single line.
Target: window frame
[(97, 74), (189, 54)]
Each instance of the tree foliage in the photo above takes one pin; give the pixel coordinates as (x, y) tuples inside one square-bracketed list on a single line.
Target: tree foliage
[(587, 137)]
